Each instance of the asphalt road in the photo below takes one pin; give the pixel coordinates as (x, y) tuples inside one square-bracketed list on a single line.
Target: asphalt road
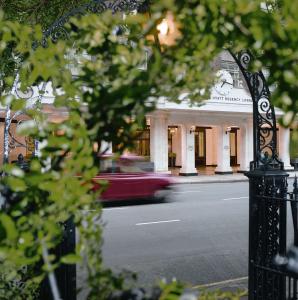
[(200, 236)]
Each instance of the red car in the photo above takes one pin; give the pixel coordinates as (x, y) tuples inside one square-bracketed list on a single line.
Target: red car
[(131, 177)]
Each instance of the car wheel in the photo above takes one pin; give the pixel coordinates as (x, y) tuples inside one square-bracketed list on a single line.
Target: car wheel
[(162, 195)]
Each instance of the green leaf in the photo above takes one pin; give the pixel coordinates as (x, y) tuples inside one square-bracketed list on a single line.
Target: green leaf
[(9, 227), (16, 184), (71, 259)]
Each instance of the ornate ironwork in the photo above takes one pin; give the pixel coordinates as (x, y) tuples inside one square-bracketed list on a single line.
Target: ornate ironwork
[(58, 31), (10, 139), (267, 236), (267, 194), (265, 137), (273, 274), (8, 121)]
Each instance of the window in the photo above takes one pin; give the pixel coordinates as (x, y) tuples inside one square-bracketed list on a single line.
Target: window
[(142, 142)]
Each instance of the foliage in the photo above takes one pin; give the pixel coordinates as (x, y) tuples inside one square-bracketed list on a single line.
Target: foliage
[(33, 12), (107, 100), (223, 295), (116, 87), (58, 185), (29, 12)]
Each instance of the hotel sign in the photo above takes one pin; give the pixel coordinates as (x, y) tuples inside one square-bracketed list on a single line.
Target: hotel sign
[(231, 99)]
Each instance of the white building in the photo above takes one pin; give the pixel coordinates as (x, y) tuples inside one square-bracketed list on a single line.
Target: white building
[(218, 133)]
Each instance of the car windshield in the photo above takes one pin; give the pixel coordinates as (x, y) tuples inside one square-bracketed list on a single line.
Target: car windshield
[(111, 165)]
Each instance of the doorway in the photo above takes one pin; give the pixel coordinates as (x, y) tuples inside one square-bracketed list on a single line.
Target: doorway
[(200, 146), (233, 146), (142, 142)]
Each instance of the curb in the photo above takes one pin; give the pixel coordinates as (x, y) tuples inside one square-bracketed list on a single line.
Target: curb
[(210, 181), (218, 180)]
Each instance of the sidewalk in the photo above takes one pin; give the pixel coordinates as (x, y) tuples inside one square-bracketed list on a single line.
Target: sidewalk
[(216, 178), (231, 285)]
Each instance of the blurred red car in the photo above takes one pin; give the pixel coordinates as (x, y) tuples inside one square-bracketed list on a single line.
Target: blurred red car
[(131, 177)]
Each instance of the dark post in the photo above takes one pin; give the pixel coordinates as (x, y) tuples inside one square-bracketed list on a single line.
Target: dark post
[(267, 232), (65, 274), (267, 192)]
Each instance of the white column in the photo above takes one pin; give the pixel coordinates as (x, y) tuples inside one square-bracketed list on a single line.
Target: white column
[(187, 151), (284, 147), (250, 143), (223, 151), (243, 145), (159, 142), (246, 145)]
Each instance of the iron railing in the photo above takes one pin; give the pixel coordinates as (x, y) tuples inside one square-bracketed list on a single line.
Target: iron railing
[(271, 273)]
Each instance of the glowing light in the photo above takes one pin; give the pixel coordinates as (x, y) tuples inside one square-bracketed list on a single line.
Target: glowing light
[(168, 30), (163, 27)]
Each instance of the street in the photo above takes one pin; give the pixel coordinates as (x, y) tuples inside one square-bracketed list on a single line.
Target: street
[(199, 236)]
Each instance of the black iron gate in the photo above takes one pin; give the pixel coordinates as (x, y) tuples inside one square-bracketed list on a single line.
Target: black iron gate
[(268, 197)]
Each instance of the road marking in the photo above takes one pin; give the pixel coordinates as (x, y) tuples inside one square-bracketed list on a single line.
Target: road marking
[(228, 199), (187, 192), (115, 208), (219, 282), (157, 222)]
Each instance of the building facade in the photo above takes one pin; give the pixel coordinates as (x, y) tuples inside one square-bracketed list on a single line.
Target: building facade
[(216, 133), (219, 133)]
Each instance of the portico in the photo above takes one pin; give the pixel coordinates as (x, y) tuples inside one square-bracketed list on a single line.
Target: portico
[(217, 134)]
